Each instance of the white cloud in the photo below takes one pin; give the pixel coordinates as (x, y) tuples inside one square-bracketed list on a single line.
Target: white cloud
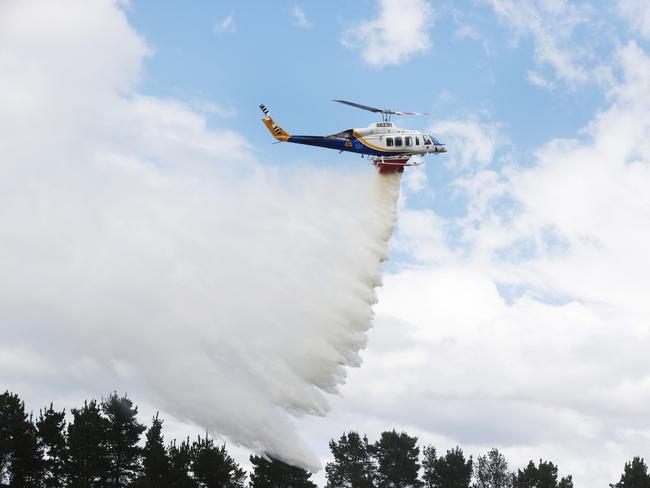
[(299, 17), (226, 25), (423, 236), (415, 180), (552, 25), (142, 251), (525, 324), (399, 32), (474, 143), (213, 109), (637, 13), (537, 79), (467, 31)]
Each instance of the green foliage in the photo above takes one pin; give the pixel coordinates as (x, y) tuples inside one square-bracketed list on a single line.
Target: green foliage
[(100, 448), (156, 466), (546, 475), (21, 457), (397, 460), (180, 458), (54, 443), (542, 476), (353, 465), (450, 471), (213, 467), (123, 435), (491, 471), (429, 475), (635, 475), (5, 437), (277, 474), (526, 478), (89, 463)]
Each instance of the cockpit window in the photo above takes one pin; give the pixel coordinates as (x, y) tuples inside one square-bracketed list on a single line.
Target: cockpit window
[(427, 141), (433, 140)]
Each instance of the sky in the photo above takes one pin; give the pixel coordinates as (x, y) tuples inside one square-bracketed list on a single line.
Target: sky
[(514, 309)]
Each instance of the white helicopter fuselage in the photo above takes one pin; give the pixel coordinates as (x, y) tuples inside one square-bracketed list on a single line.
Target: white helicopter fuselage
[(389, 146), (390, 140)]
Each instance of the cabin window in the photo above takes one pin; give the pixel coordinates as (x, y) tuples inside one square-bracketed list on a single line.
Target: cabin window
[(408, 141), (398, 142), (389, 141), (417, 141)]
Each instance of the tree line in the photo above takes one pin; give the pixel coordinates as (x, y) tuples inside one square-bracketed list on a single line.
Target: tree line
[(101, 444)]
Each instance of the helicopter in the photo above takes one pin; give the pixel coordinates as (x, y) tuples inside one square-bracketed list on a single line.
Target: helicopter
[(390, 147)]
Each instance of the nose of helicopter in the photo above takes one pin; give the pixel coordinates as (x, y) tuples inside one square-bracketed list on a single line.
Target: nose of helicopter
[(441, 148)]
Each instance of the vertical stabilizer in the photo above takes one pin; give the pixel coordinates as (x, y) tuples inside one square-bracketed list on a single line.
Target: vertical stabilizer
[(276, 131)]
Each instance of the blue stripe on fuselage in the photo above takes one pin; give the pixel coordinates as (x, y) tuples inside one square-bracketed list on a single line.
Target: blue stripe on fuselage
[(354, 144)]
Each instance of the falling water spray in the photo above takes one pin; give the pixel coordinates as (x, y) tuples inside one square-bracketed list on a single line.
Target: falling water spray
[(145, 252)]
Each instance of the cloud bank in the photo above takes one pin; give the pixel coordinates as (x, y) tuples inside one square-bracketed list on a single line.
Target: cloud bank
[(552, 26), (523, 321), (143, 251)]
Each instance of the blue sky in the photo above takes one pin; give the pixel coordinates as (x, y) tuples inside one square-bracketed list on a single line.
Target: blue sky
[(265, 57), (297, 70), (157, 242)]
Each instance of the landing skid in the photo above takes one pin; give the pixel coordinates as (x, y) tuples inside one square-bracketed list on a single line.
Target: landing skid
[(393, 164)]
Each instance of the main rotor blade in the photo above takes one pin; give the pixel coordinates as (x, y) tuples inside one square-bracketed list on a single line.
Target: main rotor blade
[(378, 110), (410, 113), (365, 107)]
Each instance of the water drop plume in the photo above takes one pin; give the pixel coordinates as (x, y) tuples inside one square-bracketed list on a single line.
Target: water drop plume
[(144, 250)]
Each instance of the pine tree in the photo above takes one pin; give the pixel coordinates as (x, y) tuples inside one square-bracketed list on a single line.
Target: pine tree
[(542, 476), (449, 471), (123, 436), (429, 475), (213, 467), (353, 465), (635, 475), (88, 462), (180, 459), (21, 458), (527, 477), (5, 438), (277, 474), (546, 475), (397, 460), (491, 471), (156, 465), (51, 432)]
